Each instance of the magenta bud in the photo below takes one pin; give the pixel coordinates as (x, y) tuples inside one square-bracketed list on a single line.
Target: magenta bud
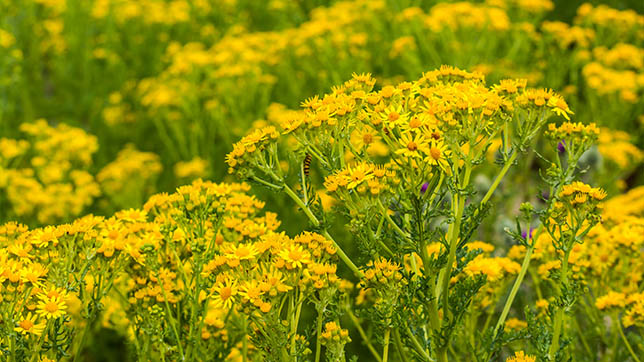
[(524, 234), (424, 187), (561, 147)]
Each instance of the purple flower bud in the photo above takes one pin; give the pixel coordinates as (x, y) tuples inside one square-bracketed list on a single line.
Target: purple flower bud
[(424, 187), (561, 147), (524, 234)]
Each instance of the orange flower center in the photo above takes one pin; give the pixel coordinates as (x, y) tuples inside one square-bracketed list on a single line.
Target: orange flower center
[(412, 146), (393, 116), (26, 324), (51, 307), (414, 123), (242, 252), (367, 138), (225, 293), (114, 234), (46, 237), (295, 255), (435, 152)]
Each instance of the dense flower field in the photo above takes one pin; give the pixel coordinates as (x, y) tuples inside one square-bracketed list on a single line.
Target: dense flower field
[(380, 180)]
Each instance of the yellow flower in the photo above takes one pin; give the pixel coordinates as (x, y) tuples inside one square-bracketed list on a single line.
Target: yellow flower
[(438, 152), (412, 145), (223, 293), (53, 307), (240, 252), (295, 256), (28, 325), (359, 174)]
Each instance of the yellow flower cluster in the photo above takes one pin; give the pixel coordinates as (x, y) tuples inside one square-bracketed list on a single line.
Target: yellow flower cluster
[(364, 178), (621, 56), (206, 250), (625, 83), (250, 146), (575, 137), (333, 333), (45, 176), (580, 193), (520, 356), (333, 110), (382, 273), (631, 304), (545, 98), (617, 146), (497, 271), (567, 36), (150, 12), (494, 268), (620, 22), (466, 15)]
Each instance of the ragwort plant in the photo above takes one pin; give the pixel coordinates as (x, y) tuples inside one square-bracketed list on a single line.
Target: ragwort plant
[(200, 274), (204, 274), (412, 208)]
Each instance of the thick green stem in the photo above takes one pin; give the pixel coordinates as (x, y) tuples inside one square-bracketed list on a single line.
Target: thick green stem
[(385, 348), (245, 344), (318, 332), (294, 323)]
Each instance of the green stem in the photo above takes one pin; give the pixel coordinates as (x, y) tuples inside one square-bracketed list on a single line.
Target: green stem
[(459, 205), (294, 323), (399, 346), (559, 317), (304, 190), (432, 305), (265, 183), (363, 335), (318, 332), (245, 343), (628, 345), (515, 288), (499, 177), (171, 319), (314, 220), (12, 349), (419, 349), (391, 222), (385, 348)]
